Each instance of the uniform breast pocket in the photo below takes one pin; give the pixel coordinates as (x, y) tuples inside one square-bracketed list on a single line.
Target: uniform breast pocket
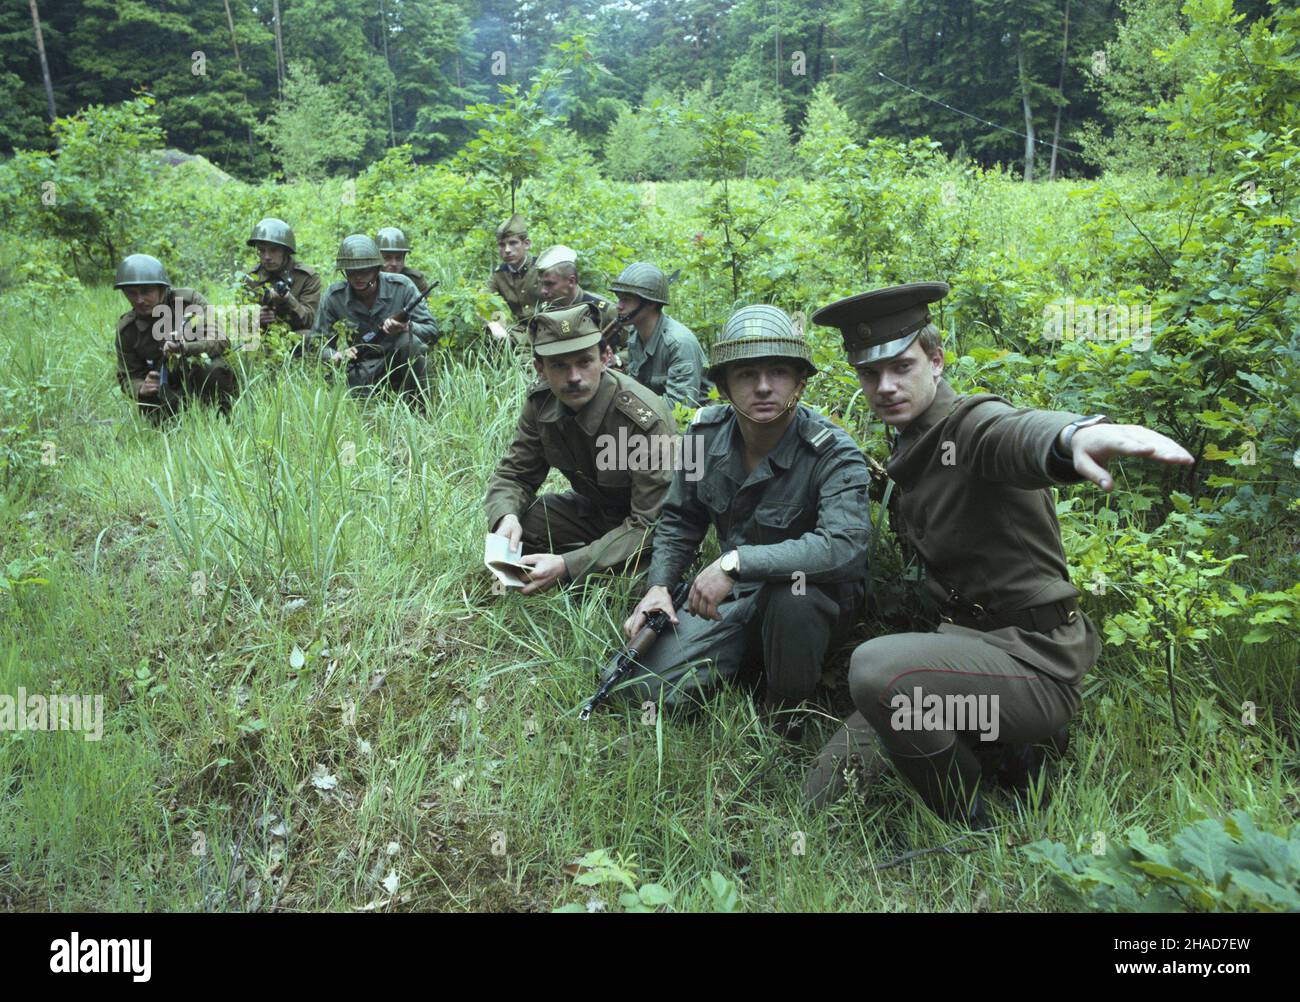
[(712, 498), (777, 521)]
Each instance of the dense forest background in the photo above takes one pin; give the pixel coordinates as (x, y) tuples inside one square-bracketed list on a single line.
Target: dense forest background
[(240, 82)]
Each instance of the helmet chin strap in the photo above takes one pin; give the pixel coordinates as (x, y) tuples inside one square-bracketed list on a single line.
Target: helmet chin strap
[(790, 405), (627, 318)]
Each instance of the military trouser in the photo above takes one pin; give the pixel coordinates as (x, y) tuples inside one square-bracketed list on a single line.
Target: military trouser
[(212, 382), (397, 361), (564, 521), (939, 702), (793, 627)]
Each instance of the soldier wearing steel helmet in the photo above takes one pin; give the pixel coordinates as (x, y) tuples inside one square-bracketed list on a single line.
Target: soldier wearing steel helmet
[(515, 279), (580, 418), (168, 346), (393, 247), (557, 268), (288, 289), (786, 492), (970, 495), (358, 324), (662, 353)]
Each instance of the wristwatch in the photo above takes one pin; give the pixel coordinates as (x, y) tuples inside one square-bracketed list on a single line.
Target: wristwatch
[(730, 564), (1068, 432)]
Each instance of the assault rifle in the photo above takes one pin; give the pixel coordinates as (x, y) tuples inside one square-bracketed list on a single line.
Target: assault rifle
[(628, 658)]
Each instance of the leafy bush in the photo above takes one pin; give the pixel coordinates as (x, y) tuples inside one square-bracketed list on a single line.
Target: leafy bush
[(1212, 866)]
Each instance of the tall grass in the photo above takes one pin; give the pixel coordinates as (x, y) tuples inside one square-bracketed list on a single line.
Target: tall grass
[(310, 686)]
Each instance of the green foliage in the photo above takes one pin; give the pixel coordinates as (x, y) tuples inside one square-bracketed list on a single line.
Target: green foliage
[(92, 195), (314, 130), (597, 869), (1212, 865)]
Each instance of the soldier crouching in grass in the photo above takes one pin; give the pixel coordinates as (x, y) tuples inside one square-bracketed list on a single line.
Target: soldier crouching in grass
[(970, 496), (786, 491), (169, 347), (387, 331), (571, 415)]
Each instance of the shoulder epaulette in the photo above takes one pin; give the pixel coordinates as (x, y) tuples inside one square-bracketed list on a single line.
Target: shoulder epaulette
[(630, 404)]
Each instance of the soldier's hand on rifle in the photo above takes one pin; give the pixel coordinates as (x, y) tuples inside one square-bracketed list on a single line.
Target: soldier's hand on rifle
[(546, 570), (1092, 447), (656, 598), (346, 355), (709, 589), (395, 326), (510, 528), (171, 348), (149, 388)]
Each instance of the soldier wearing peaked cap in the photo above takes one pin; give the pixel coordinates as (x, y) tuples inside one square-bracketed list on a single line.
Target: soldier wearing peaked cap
[(393, 248), (970, 495), (557, 269), (662, 353), (786, 492), (515, 279), (575, 418)]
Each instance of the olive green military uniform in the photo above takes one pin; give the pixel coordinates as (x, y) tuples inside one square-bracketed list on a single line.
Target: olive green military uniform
[(520, 287), (670, 362), (139, 344), (607, 519), (970, 499), (298, 309), (417, 277), (799, 524), (397, 359)]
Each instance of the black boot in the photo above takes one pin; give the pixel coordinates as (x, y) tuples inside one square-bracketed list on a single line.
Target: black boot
[(948, 782)]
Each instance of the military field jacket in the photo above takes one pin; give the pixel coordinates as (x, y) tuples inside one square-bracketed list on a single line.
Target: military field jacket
[(802, 511), (521, 289), (671, 363), (300, 306), (971, 475), (550, 435), (396, 293), (139, 342)]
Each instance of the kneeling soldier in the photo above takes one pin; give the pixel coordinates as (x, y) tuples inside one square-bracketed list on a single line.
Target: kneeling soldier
[(786, 491), (662, 353), (394, 248), (289, 291), (577, 417), (970, 495), (385, 339), (166, 351)]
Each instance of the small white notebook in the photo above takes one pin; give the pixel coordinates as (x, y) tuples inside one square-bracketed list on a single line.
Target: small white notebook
[(504, 562)]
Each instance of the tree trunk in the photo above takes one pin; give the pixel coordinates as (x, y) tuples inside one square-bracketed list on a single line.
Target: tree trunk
[(40, 50), (1060, 89), (279, 48), (383, 33), (234, 44), (1029, 115)]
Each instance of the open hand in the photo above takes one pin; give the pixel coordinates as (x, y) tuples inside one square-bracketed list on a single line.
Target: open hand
[(1092, 447)]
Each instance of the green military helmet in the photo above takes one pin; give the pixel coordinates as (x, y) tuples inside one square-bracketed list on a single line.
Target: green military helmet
[(141, 269), (358, 251), (558, 332), (641, 278), (274, 231), (758, 332), (393, 240), (515, 226)]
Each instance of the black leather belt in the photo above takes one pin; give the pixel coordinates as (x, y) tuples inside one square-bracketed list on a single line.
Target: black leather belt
[(1039, 618)]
